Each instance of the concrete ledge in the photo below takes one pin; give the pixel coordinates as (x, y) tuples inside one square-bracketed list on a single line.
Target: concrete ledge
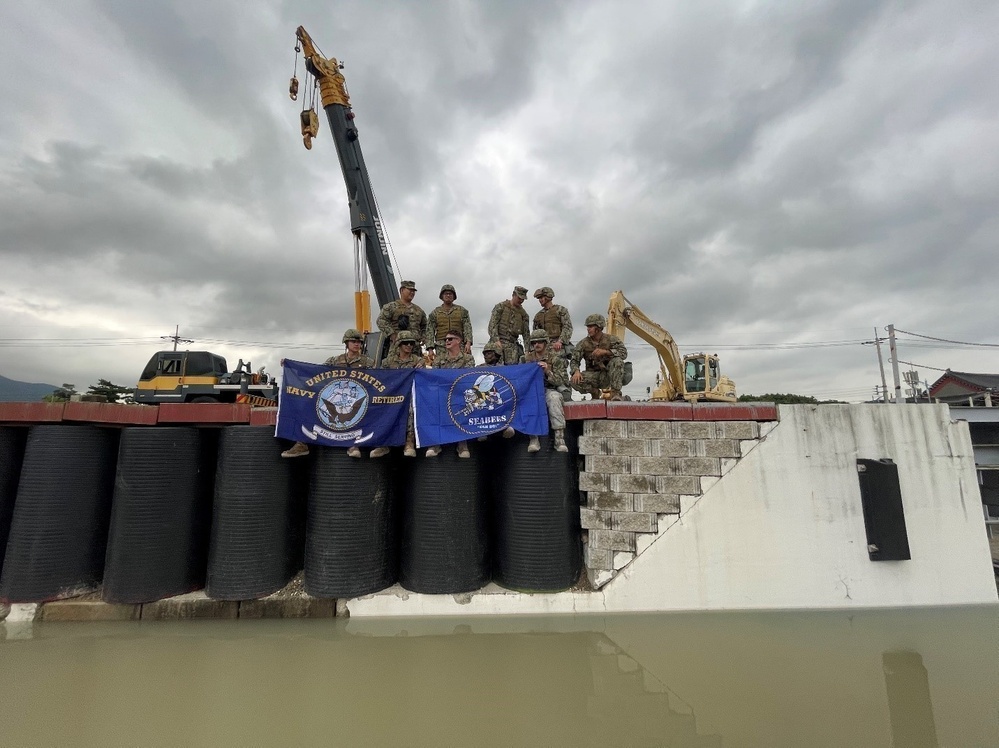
[(585, 410), (128, 415), (735, 412), (649, 411), (263, 417), (88, 610), (193, 605), (31, 412), (204, 413), (292, 607)]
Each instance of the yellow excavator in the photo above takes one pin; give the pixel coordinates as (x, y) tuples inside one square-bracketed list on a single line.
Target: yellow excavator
[(695, 377)]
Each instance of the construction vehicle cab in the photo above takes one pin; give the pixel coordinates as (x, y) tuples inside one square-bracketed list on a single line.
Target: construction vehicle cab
[(199, 377)]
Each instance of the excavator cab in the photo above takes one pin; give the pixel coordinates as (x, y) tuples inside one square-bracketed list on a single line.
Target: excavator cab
[(694, 379)]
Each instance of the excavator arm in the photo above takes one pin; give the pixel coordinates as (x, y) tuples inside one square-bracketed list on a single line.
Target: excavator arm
[(623, 315)]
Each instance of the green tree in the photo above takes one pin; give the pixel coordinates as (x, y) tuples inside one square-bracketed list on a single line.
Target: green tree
[(785, 399), (113, 393), (61, 394)]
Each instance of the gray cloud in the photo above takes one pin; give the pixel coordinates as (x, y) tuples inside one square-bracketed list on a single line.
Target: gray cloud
[(747, 174)]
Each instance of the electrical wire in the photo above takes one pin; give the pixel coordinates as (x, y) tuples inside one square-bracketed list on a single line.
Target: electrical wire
[(945, 340)]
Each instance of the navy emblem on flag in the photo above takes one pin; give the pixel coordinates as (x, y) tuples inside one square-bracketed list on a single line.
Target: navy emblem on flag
[(453, 404), (340, 407)]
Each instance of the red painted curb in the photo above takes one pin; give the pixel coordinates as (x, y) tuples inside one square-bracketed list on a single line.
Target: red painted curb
[(649, 411), (263, 417), (31, 412), (586, 410), (141, 415), (204, 413), (735, 412)]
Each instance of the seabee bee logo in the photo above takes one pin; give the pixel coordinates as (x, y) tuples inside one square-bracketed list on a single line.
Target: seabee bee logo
[(342, 404), (481, 403)]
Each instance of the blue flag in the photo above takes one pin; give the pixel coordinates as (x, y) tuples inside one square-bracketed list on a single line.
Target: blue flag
[(453, 405), (340, 407)]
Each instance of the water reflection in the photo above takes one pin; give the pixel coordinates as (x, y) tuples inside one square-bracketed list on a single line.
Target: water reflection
[(680, 680)]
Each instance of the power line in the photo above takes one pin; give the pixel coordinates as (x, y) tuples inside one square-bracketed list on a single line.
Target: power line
[(945, 340)]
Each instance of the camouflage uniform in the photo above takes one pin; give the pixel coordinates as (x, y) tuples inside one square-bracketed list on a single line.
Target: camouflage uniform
[(351, 362), (507, 324), (555, 321), (443, 319), (389, 321), (599, 374), (461, 361), (413, 362), (555, 378)]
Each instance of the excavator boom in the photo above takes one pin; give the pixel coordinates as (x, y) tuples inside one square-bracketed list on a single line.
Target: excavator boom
[(622, 315)]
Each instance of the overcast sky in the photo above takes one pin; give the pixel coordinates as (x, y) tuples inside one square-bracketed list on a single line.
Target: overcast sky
[(749, 173)]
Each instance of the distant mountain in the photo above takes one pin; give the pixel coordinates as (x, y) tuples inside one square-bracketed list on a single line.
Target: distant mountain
[(12, 391)]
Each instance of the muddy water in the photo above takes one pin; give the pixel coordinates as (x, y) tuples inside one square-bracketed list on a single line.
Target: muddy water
[(902, 678)]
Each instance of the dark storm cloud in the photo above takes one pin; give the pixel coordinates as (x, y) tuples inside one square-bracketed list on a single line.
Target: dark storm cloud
[(746, 173)]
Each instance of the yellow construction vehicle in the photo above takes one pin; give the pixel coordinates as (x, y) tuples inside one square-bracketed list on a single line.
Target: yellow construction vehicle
[(694, 377)]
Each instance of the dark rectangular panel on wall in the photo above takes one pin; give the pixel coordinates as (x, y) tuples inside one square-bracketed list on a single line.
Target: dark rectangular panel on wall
[(884, 517)]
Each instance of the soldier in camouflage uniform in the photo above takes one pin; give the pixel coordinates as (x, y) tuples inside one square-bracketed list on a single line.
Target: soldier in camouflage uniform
[(555, 319), (556, 377), (448, 316), (492, 354), (604, 355), (454, 358), (402, 314), (404, 358), (508, 323), (352, 359)]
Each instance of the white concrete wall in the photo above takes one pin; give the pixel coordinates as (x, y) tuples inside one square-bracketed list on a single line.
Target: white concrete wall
[(785, 529)]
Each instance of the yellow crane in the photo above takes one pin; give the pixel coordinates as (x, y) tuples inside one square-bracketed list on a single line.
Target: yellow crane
[(695, 377)]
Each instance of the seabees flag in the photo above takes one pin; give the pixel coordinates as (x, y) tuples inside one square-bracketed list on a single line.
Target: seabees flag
[(453, 405), (340, 407)]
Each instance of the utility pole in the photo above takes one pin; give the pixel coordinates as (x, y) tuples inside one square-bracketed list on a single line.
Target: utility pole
[(881, 366), (176, 337), (894, 364)]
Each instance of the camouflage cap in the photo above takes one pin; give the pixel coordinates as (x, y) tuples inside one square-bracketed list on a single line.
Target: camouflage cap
[(352, 334), (544, 291), (520, 291), (539, 335), (407, 284), (495, 346), (405, 336), (596, 319), (447, 287)]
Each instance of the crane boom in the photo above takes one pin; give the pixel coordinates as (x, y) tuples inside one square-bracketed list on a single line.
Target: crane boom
[(365, 223)]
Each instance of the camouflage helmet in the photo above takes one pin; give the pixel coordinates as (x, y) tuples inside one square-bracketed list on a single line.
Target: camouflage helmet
[(405, 336), (539, 335), (544, 291), (596, 319), (494, 346), (447, 287), (352, 334)]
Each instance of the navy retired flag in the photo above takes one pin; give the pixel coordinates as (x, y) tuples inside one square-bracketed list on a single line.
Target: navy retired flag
[(453, 405), (340, 407)]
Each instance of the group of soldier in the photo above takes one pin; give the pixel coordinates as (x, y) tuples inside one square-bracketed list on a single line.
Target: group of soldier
[(446, 333)]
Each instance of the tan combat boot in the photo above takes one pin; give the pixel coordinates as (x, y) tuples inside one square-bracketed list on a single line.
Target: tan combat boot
[(560, 441), (534, 445), (463, 450), (378, 452), (410, 449), (354, 452), (296, 450)]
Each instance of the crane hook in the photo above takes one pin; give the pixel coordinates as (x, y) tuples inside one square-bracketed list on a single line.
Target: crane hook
[(293, 88)]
